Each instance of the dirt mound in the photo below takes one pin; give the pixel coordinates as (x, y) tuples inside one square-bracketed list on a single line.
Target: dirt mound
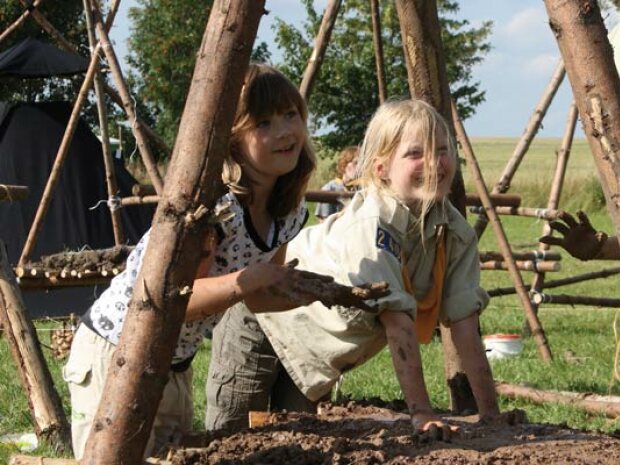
[(367, 434)]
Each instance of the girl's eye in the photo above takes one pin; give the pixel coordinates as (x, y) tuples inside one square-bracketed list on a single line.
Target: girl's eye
[(291, 114), (414, 154), (263, 123)]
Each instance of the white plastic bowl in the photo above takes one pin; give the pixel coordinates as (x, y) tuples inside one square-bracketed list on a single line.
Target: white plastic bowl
[(502, 345)]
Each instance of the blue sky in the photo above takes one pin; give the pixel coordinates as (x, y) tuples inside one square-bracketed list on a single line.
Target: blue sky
[(514, 74)]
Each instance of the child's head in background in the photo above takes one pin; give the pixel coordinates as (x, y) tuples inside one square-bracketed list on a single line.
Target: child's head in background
[(269, 137)]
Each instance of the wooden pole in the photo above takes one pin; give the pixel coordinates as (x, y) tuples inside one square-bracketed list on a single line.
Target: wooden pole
[(610, 407), (428, 80), (582, 37), (13, 193), (66, 45), (48, 417), (128, 105), (144, 193), (523, 145), (543, 255), (564, 299), (500, 291), (554, 195), (140, 366), (532, 318), (18, 22), (320, 45), (540, 213), (63, 150), (377, 41), (110, 176), (521, 265)]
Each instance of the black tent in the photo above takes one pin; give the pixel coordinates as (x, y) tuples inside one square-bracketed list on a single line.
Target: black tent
[(32, 58), (30, 134)]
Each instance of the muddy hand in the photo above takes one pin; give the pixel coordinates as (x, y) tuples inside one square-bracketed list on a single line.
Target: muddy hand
[(354, 296), (510, 418), (579, 238), (428, 427)]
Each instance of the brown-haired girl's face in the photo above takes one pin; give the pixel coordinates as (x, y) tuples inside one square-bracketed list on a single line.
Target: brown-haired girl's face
[(404, 172), (271, 146)]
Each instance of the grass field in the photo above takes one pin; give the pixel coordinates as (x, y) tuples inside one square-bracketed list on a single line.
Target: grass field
[(584, 333)]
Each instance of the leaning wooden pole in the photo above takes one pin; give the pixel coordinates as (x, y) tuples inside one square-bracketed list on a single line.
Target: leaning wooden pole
[(61, 155), (320, 45), (19, 21), (428, 80), (377, 41), (502, 241), (533, 125), (66, 45), (130, 109), (582, 37), (113, 203), (555, 192), (140, 365), (44, 402)]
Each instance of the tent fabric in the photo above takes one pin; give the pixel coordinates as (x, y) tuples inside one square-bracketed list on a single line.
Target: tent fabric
[(32, 58), (30, 135)]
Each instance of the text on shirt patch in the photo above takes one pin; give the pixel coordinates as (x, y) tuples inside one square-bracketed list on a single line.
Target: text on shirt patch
[(386, 242)]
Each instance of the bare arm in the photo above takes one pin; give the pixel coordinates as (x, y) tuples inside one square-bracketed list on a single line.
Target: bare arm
[(405, 351)]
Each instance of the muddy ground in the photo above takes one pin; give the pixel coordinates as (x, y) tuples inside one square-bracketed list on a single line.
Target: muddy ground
[(363, 433)]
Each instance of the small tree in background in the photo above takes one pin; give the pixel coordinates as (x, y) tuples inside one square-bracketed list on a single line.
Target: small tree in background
[(165, 37), (346, 94)]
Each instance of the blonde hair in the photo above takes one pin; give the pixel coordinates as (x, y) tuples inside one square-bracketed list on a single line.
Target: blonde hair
[(267, 91), (383, 135)]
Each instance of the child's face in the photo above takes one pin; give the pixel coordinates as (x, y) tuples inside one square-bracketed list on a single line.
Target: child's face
[(350, 170), (404, 172), (272, 147)]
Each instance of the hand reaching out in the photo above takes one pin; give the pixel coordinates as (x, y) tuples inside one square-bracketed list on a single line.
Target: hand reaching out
[(579, 238)]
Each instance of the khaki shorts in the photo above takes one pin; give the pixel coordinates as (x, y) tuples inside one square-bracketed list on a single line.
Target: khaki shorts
[(85, 372)]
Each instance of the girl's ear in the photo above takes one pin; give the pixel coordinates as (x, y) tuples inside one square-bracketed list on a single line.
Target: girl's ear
[(381, 171)]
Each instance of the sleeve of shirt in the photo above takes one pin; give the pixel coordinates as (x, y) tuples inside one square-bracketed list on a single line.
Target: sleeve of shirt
[(371, 253), (462, 294)]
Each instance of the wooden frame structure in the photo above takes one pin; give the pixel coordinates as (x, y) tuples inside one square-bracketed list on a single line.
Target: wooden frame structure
[(126, 411)]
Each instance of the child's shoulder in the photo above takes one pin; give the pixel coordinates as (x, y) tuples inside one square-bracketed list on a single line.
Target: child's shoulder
[(370, 204), (458, 224)]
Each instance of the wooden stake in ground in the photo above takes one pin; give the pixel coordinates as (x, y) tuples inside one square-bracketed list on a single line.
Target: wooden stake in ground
[(582, 37), (48, 416), (472, 163), (140, 366), (320, 45), (427, 77), (113, 203)]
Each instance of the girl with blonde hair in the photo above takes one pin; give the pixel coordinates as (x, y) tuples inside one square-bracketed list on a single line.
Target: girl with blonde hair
[(401, 228)]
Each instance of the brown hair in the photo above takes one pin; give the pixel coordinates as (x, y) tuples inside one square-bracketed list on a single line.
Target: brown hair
[(346, 156), (267, 91)]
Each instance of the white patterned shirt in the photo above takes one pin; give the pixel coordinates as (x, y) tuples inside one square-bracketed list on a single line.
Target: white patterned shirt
[(238, 247)]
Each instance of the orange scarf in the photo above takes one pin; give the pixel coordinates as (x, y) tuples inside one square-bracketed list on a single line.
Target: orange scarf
[(428, 308)]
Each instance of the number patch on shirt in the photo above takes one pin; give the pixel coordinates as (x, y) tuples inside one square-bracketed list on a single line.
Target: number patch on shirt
[(386, 242)]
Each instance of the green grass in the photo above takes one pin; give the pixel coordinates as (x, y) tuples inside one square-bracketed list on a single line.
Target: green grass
[(586, 332)]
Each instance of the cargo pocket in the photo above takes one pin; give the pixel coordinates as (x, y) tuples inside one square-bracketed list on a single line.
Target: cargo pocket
[(78, 374)]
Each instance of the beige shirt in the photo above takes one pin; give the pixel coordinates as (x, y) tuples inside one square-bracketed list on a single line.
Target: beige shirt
[(369, 241)]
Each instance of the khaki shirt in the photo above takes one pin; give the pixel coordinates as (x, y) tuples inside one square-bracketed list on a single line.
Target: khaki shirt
[(370, 241)]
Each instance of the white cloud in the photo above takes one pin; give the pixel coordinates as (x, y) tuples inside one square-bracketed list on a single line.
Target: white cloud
[(526, 22), (541, 65)]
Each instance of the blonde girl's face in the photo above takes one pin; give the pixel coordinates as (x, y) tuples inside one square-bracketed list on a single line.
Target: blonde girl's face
[(405, 171), (271, 147)]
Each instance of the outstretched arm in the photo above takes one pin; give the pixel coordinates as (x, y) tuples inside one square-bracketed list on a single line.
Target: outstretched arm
[(581, 240)]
